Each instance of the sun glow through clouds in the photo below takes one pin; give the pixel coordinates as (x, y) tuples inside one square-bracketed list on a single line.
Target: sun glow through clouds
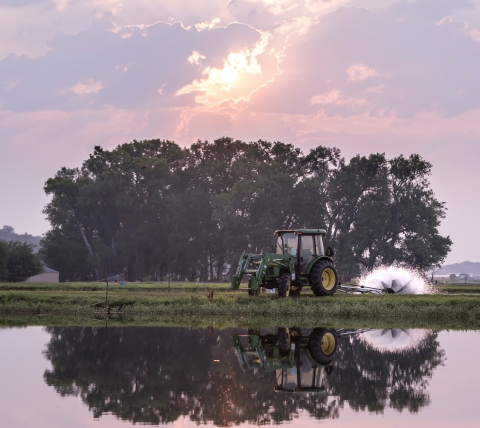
[(218, 82)]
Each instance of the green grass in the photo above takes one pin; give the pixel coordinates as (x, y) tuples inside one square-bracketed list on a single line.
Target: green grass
[(459, 288), (237, 307), (231, 321), (99, 286)]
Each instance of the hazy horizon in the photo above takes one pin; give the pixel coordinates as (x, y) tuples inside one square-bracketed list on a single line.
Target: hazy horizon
[(398, 77)]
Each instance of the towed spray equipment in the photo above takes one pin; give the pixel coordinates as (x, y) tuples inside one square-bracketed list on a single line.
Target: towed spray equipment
[(299, 260)]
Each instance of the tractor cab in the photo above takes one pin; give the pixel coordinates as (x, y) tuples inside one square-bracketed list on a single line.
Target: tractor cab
[(304, 376), (298, 362), (304, 244)]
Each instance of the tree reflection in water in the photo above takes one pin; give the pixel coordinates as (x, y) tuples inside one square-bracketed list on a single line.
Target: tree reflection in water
[(156, 375)]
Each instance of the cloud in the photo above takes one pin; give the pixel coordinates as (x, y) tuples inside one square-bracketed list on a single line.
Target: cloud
[(90, 87), (218, 81), (359, 72), (329, 97), (324, 6), (207, 25), (381, 62), (11, 84), (195, 58), (430, 9), (475, 35), (127, 72), (277, 7)]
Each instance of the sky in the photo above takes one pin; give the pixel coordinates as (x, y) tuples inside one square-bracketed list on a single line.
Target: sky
[(388, 76)]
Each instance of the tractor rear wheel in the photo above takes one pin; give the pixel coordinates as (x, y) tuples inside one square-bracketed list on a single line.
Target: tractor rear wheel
[(322, 345), (323, 278), (284, 285)]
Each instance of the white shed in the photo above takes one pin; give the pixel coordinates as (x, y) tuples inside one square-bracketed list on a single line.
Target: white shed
[(48, 275)]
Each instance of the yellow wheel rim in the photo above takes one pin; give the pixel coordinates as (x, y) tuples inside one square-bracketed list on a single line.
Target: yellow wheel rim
[(328, 279), (328, 343)]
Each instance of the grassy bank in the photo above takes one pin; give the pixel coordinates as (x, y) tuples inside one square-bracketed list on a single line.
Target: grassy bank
[(230, 321), (137, 301)]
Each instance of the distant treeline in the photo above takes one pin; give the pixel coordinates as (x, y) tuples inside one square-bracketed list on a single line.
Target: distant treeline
[(7, 233), (152, 208)]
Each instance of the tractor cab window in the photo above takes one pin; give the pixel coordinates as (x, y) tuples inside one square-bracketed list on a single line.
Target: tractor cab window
[(319, 244), (287, 244), (304, 375), (307, 252)]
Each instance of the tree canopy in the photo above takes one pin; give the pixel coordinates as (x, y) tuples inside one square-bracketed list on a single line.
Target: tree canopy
[(18, 261), (152, 208)]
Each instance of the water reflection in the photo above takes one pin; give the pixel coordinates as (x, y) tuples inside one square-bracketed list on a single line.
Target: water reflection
[(156, 375)]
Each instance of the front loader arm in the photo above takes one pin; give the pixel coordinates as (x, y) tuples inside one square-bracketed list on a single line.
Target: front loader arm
[(241, 270)]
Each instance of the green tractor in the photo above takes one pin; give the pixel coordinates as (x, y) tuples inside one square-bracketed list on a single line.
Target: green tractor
[(299, 260), (298, 362)]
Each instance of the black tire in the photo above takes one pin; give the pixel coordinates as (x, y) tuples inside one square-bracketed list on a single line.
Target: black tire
[(322, 345), (295, 290), (283, 340), (284, 285), (323, 278)]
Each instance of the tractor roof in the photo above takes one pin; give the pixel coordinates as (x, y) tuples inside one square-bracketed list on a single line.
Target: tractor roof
[(303, 231)]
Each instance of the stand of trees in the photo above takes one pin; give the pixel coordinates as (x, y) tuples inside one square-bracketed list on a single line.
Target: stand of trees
[(18, 261), (155, 376), (151, 209)]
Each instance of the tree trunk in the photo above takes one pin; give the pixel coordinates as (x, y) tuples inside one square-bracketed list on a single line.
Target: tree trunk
[(90, 249), (114, 248), (211, 267), (220, 268)]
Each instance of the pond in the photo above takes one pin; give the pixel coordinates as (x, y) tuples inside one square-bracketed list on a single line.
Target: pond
[(119, 376)]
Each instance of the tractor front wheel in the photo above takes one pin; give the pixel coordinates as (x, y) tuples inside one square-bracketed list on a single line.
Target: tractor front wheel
[(284, 285), (323, 278)]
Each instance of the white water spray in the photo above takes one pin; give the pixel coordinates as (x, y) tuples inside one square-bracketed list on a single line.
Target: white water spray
[(393, 279), (394, 340)]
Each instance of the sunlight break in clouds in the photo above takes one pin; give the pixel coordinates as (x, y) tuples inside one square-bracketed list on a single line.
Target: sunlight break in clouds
[(358, 72), (207, 25), (219, 81)]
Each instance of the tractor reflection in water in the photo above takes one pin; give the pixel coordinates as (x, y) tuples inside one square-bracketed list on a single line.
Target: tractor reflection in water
[(298, 362)]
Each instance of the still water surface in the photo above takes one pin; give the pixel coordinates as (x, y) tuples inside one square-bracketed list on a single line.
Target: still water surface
[(108, 377)]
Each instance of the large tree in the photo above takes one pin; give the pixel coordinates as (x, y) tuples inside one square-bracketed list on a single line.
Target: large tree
[(22, 261), (151, 208)]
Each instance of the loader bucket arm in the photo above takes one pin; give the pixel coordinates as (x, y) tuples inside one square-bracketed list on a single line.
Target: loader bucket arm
[(241, 270)]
